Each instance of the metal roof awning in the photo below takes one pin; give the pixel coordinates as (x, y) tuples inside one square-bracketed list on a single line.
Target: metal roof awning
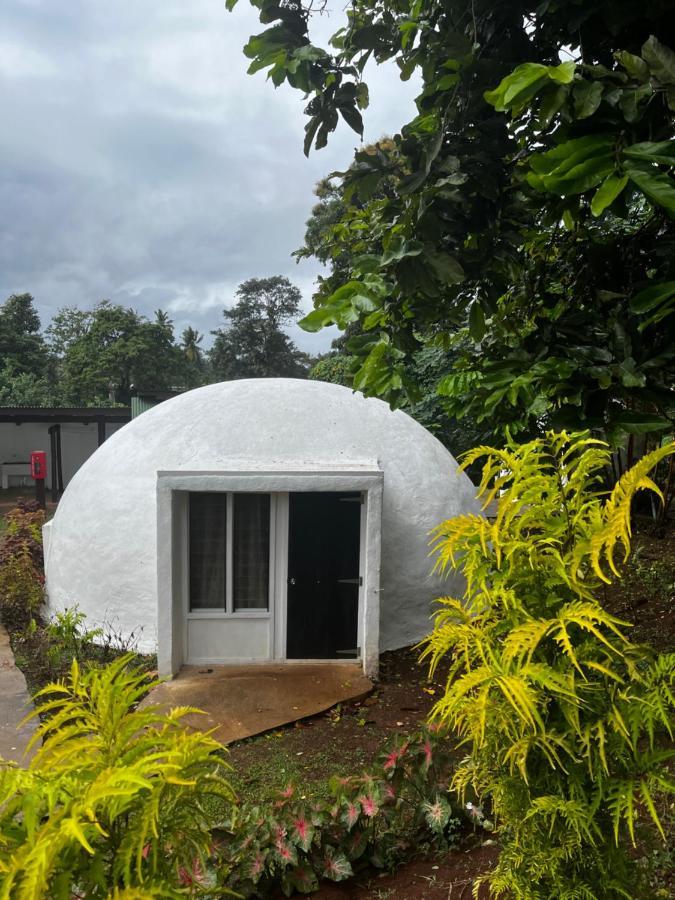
[(53, 415)]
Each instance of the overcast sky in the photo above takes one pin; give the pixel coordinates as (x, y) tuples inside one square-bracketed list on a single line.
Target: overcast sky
[(140, 163)]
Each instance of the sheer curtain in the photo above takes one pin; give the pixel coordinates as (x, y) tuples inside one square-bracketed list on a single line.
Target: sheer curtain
[(208, 551), (251, 551)]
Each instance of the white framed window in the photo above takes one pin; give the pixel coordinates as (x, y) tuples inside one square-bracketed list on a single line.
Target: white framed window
[(229, 547)]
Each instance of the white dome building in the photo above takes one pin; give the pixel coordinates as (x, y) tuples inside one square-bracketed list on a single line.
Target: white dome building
[(258, 520)]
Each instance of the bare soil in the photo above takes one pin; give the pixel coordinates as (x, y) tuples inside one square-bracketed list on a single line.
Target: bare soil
[(447, 878)]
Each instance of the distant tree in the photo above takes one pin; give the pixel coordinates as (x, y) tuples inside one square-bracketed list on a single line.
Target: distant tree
[(68, 325), (163, 319), (111, 348), (194, 367), (252, 343), (334, 367), (22, 347), (28, 389)]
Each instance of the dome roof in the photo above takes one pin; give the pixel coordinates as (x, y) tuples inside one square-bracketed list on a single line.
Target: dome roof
[(101, 552)]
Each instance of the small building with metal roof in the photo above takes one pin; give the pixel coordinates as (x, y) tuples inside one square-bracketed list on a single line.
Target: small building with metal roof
[(69, 435)]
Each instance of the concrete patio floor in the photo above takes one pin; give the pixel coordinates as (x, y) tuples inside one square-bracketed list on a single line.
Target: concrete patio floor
[(240, 701)]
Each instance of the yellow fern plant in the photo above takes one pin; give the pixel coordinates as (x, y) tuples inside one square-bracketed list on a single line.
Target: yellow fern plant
[(118, 801), (557, 708)]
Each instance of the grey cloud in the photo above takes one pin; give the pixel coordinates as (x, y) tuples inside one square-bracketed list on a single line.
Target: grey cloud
[(139, 162)]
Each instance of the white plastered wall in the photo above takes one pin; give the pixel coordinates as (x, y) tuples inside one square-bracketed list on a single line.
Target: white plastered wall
[(256, 637), (103, 541)]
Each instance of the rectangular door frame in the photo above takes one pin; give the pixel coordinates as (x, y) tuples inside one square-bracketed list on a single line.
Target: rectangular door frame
[(281, 580), (172, 487)]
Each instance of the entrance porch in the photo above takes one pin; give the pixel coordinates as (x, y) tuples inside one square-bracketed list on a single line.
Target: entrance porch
[(240, 701)]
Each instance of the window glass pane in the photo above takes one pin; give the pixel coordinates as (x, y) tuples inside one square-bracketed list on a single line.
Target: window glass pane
[(208, 524), (251, 551)]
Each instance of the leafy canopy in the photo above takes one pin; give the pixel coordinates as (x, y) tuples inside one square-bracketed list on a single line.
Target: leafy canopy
[(253, 344), (557, 709), (523, 217)]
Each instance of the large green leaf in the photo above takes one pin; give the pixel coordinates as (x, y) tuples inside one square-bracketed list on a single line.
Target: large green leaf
[(446, 267), (341, 308), (566, 156), (641, 423), (652, 297), (607, 193), (635, 66), (587, 97), (524, 82), (656, 185), (660, 59), (658, 299), (649, 151), (477, 326)]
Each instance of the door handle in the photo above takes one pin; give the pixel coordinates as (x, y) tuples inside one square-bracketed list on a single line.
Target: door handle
[(358, 581), (291, 581)]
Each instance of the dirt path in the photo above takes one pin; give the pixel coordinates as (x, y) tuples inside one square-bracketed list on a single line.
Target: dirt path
[(14, 704)]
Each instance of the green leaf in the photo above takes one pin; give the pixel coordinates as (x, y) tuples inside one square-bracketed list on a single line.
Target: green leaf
[(640, 423), (525, 79), (477, 326), (372, 37), (398, 248), (654, 184), (587, 97), (569, 154), (524, 82), (446, 267), (631, 100), (352, 117), (362, 95), (552, 102), (659, 299), (629, 376), (660, 59), (660, 152), (311, 129), (335, 865), (635, 66), (563, 74), (607, 193), (580, 178), (652, 297)]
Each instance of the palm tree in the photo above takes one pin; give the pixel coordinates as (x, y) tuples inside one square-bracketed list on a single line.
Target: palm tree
[(190, 341)]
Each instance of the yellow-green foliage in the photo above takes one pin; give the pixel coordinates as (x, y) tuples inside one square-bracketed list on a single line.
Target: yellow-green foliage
[(117, 802), (557, 708)]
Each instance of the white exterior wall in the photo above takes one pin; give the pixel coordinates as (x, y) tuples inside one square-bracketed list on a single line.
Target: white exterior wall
[(101, 551), (78, 442)]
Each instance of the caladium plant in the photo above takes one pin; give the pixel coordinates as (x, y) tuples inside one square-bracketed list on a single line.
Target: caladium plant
[(376, 818)]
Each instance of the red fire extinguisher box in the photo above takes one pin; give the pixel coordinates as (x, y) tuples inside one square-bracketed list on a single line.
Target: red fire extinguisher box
[(38, 465)]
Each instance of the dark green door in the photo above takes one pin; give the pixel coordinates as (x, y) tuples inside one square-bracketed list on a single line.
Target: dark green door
[(323, 575)]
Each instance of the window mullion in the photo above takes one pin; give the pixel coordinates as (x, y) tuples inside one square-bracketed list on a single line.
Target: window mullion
[(229, 600)]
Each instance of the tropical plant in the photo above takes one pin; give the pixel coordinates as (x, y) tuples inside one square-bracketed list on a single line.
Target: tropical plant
[(525, 215), (119, 799), (21, 564), (68, 638), (396, 808), (558, 710)]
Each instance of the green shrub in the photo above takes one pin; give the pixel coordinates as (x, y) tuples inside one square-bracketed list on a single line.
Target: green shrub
[(21, 564), (398, 808), (117, 802), (559, 711), (67, 638)]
